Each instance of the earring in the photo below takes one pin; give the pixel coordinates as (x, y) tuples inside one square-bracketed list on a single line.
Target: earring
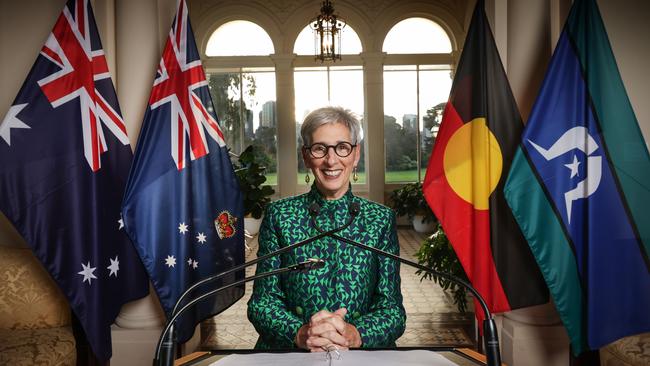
[(307, 179), (355, 177)]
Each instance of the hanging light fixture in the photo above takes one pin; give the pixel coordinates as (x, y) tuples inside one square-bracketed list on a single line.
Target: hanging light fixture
[(327, 34)]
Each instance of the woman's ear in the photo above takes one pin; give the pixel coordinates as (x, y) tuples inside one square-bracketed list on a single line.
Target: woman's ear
[(357, 155), (305, 158)]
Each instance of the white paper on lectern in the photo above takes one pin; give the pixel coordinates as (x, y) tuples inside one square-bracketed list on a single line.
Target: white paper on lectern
[(348, 358)]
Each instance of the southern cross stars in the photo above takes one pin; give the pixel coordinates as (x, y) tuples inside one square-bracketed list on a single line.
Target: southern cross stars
[(87, 272), (114, 267), (201, 238), (182, 228)]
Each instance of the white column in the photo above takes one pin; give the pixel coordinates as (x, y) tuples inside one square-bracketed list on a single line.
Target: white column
[(529, 49), (534, 335), (286, 127), (138, 49), (373, 87)]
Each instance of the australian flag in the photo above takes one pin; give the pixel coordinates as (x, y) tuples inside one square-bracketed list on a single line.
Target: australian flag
[(183, 207), (64, 160)]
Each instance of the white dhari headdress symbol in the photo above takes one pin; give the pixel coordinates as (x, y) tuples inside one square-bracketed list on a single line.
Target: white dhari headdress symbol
[(576, 138)]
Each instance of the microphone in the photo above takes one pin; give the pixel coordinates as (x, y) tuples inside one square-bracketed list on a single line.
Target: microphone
[(491, 340), (166, 341)]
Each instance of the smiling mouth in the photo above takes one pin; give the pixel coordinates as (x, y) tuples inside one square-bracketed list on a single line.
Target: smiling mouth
[(332, 173)]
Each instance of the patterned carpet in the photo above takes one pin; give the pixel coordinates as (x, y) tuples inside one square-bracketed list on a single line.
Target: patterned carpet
[(432, 319)]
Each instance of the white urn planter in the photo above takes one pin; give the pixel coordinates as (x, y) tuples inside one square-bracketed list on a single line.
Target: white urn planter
[(424, 228), (252, 225)]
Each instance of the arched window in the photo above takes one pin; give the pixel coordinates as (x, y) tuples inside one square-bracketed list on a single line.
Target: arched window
[(328, 84), (414, 95), (244, 98), (431, 38), (239, 38)]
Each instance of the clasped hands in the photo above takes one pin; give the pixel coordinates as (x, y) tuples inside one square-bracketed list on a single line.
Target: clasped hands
[(326, 329)]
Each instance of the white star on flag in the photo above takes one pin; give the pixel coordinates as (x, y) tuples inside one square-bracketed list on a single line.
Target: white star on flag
[(11, 121), (189, 262), (182, 228), (121, 223), (195, 264), (170, 261), (87, 272), (201, 238), (573, 166), (114, 267)]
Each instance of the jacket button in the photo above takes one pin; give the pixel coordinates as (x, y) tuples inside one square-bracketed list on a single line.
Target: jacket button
[(298, 310)]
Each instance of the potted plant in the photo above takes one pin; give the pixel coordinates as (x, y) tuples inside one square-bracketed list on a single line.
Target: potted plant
[(437, 253), (409, 201), (255, 195)]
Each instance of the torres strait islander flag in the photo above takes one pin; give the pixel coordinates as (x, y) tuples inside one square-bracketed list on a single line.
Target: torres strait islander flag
[(579, 187), (463, 184), (182, 206)]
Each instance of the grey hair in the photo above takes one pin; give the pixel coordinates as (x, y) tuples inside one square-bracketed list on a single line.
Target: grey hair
[(330, 115)]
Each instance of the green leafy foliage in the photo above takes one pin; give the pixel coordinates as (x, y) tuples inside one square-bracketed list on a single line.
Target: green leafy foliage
[(251, 179), (409, 201), (437, 253)]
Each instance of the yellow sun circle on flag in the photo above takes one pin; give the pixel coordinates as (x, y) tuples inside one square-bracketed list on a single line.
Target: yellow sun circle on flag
[(473, 163)]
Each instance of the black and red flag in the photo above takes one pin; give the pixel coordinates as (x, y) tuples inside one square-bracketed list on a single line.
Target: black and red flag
[(480, 129)]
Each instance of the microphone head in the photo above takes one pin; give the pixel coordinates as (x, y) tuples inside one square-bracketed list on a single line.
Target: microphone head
[(355, 208), (314, 263), (314, 209)]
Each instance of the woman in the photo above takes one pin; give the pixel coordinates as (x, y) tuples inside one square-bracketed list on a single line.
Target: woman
[(355, 301)]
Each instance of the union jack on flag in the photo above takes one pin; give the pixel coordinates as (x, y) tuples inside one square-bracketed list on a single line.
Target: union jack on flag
[(178, 81), (64, 159), (185, 216)]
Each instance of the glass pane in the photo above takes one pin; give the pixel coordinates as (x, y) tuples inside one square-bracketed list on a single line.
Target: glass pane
[(245, 104), (305, 42), (345, 89), (239, 38), (261, 125), (400, 126), (434, 93), (431, 38), (225, 88), (311, 93)]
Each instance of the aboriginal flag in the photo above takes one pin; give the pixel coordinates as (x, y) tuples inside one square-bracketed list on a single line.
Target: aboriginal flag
[(478, 137)]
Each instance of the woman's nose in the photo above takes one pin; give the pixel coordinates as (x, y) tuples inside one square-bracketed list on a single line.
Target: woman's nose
[(331, 156)]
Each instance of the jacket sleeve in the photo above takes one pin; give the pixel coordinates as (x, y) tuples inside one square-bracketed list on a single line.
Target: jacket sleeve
[(267, 310), (386, 318)]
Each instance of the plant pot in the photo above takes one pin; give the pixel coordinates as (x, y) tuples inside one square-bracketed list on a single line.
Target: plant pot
[(252, 225), (424, 228)]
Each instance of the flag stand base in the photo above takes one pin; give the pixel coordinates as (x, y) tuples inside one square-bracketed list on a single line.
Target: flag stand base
[(534, 336)]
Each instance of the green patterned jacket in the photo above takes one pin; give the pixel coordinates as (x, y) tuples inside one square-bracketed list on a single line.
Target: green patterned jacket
[(367, 284)]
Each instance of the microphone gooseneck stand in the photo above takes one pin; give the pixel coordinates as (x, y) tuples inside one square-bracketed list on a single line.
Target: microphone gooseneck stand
[(169, 342), (165, 348), (491, 340)]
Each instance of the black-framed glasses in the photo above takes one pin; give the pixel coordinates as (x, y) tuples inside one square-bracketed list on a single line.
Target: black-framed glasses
[(342, 149)]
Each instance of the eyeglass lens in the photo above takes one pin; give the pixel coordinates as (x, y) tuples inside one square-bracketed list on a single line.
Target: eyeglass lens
[(341, 149)]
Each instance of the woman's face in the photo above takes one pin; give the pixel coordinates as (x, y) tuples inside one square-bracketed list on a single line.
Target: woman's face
[(331, 172)]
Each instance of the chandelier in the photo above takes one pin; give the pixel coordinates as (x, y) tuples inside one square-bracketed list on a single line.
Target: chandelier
[(327, 34)]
